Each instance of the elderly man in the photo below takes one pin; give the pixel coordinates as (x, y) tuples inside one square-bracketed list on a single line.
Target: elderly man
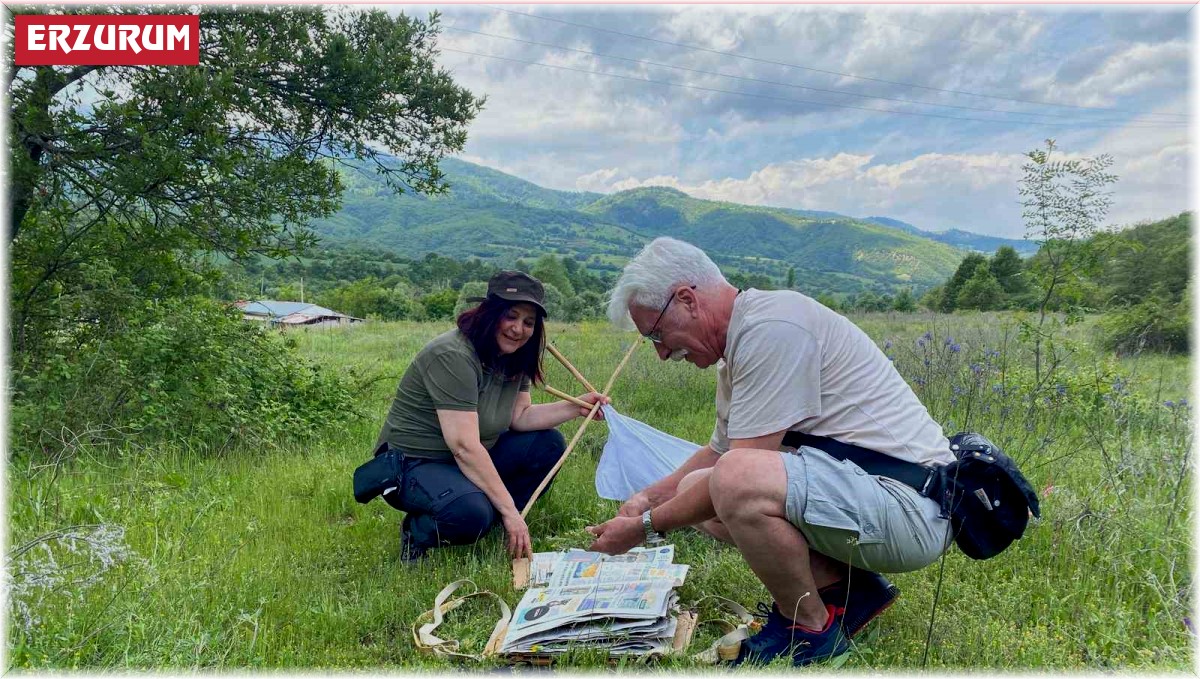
[(815, 529)]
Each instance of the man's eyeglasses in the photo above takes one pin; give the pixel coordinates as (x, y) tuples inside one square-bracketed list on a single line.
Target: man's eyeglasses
[(654, 335)]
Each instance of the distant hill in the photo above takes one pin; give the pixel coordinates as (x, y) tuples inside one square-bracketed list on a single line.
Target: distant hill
[(962, 239), (837, 252), (498, 217)]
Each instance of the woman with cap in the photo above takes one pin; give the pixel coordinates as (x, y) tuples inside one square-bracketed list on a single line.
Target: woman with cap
[(471, 445)]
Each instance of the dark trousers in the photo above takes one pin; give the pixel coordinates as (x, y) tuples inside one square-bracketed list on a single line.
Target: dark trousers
[(445, 508)]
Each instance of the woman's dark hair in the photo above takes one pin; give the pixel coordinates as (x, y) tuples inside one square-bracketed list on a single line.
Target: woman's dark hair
[(480, 324)]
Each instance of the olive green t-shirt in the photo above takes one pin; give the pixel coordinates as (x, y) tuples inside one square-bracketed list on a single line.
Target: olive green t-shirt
[(447, 375)]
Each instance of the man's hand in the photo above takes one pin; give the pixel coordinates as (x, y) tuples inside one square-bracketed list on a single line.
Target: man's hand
[(636, 505), (592, 397), (518, 542), (617, 535)]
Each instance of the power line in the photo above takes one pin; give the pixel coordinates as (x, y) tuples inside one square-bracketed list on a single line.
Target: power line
[(787, 99), (1039, 54), (818, 70), (782, 84)]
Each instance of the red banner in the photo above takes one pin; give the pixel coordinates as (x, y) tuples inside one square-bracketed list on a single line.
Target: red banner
[(107, 40)]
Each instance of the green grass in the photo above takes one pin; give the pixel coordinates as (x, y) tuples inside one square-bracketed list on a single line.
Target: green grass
[(260, 558)]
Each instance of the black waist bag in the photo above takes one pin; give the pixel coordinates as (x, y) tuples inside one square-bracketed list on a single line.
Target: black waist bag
[(377, 475), (985, 495)]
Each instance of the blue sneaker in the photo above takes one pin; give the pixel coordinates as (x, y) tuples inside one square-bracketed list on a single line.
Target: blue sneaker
[(783, 637), (864, 595)]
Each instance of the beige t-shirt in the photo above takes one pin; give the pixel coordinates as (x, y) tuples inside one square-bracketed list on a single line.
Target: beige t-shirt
[(792, 363)]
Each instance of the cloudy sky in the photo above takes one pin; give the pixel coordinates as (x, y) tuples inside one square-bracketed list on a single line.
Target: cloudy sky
[(917, 113)]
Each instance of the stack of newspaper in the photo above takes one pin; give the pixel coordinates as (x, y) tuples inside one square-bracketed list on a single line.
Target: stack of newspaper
[(624, 603)]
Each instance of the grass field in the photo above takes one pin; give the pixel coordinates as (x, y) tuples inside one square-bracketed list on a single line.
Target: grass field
[(260, 558)]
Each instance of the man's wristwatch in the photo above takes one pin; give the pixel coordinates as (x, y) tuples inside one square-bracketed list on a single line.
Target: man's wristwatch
[(653, 537)]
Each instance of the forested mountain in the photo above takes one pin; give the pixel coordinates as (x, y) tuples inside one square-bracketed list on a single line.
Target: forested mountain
[(829, 253), (961, 239), (498, 217)]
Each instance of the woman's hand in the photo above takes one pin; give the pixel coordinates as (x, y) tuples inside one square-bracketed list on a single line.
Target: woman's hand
[(519, 543), (591, 398), (637, 504)]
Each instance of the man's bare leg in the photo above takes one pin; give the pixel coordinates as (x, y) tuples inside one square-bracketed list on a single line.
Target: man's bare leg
[(825, 570), (712, 527), (749, 488)]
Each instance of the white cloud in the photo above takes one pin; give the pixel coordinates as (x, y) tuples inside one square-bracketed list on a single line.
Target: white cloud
[(1135, 69), (1152, 169), (932, 190), (600, 180), (578, 131)]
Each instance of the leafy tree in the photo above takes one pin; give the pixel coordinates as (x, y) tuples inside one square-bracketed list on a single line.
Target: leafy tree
[(932, 299), (829, 301), (1064, 203), (904, 301), (555, 300), (873, 301), (962, 274), (791, 278), (1148, 259), (981, 292), (1156, 323), (593, 304), (1008, 270), (369, 298), (746, 281), (440, 305), (135, 169), (550, 271), (469, 295), (573, 310)]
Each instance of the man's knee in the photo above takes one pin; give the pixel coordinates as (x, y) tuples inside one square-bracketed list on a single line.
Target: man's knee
[(744, 481), (465, 519)]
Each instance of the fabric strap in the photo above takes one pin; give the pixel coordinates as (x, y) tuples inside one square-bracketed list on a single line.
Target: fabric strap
[(911, 474), (427, 622)]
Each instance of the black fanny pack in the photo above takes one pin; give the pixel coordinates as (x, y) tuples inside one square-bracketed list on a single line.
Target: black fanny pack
[(983, 493), (377, 475)]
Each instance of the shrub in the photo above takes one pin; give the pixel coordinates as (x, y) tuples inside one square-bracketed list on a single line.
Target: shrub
[(439, 305), (467, 297), (1153, 324), (186, 370)]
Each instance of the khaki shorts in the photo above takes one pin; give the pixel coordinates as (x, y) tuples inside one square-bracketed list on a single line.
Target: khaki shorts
[(873, 522)]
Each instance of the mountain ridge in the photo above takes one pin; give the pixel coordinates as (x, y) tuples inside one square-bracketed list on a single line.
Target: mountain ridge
[(498, 217)]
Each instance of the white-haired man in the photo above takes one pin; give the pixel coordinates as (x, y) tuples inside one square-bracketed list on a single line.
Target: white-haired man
[(815, 530)]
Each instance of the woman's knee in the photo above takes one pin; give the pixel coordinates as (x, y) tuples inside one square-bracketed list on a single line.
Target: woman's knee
[(549, 445), (465, 519), (552, 439)]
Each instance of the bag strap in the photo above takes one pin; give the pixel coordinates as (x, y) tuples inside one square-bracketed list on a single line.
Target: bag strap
[(425, 640), (727, 647), (911, 474)]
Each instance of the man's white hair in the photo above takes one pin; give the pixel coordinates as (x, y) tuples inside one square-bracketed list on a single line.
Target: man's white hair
[(655, 272)]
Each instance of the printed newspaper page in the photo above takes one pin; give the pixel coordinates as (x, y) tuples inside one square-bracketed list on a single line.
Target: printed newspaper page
[(626, 604)]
